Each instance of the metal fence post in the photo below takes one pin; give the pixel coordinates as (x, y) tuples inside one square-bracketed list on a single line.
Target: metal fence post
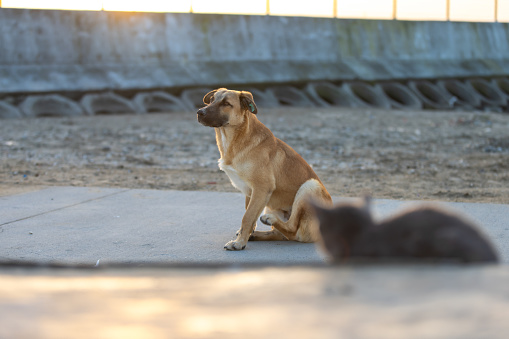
[(496, 10), (394, 9)]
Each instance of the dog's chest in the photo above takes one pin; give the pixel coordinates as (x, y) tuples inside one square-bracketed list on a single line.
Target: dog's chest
[(237, 182)]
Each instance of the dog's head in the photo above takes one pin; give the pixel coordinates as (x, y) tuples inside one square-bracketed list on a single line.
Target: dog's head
[(226, 108)]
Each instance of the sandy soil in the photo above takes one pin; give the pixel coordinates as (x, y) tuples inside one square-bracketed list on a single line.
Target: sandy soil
[(419, 155)]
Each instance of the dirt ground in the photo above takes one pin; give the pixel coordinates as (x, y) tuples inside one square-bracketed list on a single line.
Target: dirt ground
[(418, 155)]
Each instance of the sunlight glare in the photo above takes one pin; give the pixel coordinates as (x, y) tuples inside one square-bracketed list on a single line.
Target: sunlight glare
[(503, 10), (183, 6), (422, 10), (318, 8), (472, 10), (91, 5), (365, 9), (230, 6), (460, 10)]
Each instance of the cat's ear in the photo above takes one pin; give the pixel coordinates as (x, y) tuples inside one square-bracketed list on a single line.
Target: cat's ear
[(366, 203)]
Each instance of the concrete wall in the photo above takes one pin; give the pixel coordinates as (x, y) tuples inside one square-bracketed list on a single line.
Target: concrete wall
[(47, 51)]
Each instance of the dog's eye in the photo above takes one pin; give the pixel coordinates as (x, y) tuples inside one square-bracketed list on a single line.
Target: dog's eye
[(226, 103)]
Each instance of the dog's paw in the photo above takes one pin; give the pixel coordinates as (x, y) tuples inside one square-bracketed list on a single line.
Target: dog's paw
[(268, 219), (233, 245)]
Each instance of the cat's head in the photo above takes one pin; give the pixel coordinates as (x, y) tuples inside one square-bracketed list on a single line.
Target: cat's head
[(341, 225)]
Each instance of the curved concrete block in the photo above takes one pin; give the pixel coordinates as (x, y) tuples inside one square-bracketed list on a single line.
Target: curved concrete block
[(290, 96), (159, 102), (400, 96), (465, 96), (8, 111), (490, 94), (264, 99), (108, 103), (503, 85), (52, 105), (193, 97), (431, 95), (367, 94), (327, 94)]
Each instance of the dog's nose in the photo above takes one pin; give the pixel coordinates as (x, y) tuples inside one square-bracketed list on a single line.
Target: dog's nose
[(201, 112)]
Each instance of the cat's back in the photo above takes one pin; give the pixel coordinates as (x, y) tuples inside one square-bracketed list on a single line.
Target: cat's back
[(427, 232)]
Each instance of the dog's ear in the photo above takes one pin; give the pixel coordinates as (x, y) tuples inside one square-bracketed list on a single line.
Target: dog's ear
[(247, 102), (207, 98)]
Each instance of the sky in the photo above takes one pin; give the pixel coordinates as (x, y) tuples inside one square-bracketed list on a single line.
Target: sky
[(460, 10)]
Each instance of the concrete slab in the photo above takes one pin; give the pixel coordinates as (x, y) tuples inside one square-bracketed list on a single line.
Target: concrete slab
[(83, 225), (21, 206)]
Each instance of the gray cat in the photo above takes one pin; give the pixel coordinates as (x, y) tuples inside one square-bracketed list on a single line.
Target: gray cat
[(420, 234)]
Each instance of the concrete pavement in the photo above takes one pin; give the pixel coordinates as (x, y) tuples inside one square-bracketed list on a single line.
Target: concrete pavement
[(74, 225), (71, 225)]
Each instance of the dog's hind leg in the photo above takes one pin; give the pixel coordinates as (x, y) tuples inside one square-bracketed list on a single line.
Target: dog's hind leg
[(272, 235), (291, 229), (302, 225)]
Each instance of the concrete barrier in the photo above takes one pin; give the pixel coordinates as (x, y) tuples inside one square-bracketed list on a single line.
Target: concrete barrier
[(490, 95), (8, 111), (108, 103), (464, 96), (503, 86), (400, 97), (263, 99), (445, 94), (327, 94), (86, 51), (290, 96), (432, 96), (159, 101), (52, 105), (193, 97), (367, 94)]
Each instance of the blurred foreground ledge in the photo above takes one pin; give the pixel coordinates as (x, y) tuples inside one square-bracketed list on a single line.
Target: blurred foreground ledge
[(426, 301)]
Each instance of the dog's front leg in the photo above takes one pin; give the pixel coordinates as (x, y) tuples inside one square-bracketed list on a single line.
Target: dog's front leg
[(256, 204), (247, 204)]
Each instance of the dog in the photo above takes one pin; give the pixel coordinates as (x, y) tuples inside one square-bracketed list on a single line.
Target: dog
[(421, 234), (274, 178)]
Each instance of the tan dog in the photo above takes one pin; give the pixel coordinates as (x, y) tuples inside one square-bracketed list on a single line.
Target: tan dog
[(270, 173)]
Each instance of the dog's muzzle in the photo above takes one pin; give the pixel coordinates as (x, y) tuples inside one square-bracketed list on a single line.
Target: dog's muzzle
[(210, 118), (201, 112)]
